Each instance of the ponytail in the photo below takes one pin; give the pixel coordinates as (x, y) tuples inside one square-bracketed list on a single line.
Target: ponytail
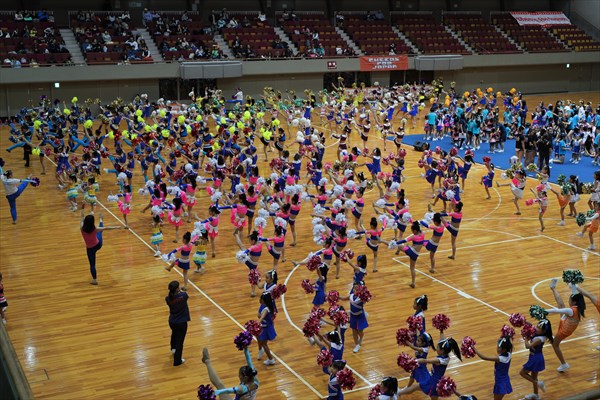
[(173, 286), (449, 345)]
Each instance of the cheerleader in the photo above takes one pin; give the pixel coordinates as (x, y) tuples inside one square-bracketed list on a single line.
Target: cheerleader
[(239, 213), (357, 210), (595, 191), (358, 317), (421, 348), (125, 205), (574, 195), (535, 363), (439, 364), (502, 385), (417, 238), (488, 180), (517, 186), (433, 243), (254, 251), (174, 216), (340, 240), (360, 268), (453, 225), (420, 306), (277, 251), (334, 391), (267, 333), (563, 201), (157, 237), (373, 239), (73, 192), (398, 137), (364, 134), (320, 286), (374, 167), (90, 189), (463, 170), (333, 341), (569, 320), (183, 261), (248, 386), (542, 200), (199, 257), (295, 207), (188, 195), (211, 224)]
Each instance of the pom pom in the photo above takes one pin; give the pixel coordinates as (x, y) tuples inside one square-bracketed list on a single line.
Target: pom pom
[(216, 196), (337, 204), (346, 255), (580, 219), (253, 277), (243, 340), (517, 320), (345, 379), (537, 312), (156, 210), (487, 159), (333, 297), (414, 323), (112, 198), (311, 327), (325, 358), (307, 286), (169, 258), (260, 223), (253, 327), (406, 217), (375, 392), (531, 168), (206, 392), (528, 332), (380, 203), (573, 276), (349, 204), (337, 192), (392, 245), (404, 337), (561, 180), (440, 322), (351, 233), (467, 347), (507, 331), (446, 387), (407, 363), (35, 182), (340, 317), (278, 291), (529, 202), (362, 293), (313, 263), (241, 256), (280, 222), (274, 207), (318, 210)]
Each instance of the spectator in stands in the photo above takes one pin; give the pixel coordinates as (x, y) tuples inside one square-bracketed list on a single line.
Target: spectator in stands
[(392, 49), (378, 15), (233, 23), (86, 46), (19, 16), (286, 16), (146, 17), (339, 19), (246, 22), (132, 43), (34, 63), (338, 50), (106, 37), (131, 54), (249, 53), (125, 17), (42, 15), (215, 53), (15, 63), (320, 50), (261, 19), (146, 54)]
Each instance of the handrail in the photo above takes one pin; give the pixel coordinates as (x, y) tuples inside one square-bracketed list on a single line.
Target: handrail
[(16, 374)]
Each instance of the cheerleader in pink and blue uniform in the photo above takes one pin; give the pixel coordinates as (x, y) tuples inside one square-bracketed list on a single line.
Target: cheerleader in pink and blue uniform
[(295, 207), (417, 238), (340, 240), (536, 363), (432, 244), (183, 261), (277, 251), (267, 333), (358, 317), (488, 180), (211, 225), (254, 251), (373, 239), (454, 224), (175, 216), (502, 384)]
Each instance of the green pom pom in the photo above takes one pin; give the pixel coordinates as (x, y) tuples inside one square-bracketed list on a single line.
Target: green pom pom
[(573, 276), (561, 179), (580, 219), (590, 213), (538, 312), (138, 113), (566, 188)]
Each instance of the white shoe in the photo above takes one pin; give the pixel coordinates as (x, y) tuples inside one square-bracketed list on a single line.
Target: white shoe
[(580, 234), (531, 396), (270, 362), (591, 247), (356, 348), (563, 367), (261, 353), (311, 340), (157, 253), (542, 386), (561, 223)]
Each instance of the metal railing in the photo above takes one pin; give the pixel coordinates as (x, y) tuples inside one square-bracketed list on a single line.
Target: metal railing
[(17, 386)]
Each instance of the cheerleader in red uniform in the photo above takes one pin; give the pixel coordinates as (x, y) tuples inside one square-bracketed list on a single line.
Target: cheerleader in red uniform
[(211, 224), (174, 216), (239, 213)]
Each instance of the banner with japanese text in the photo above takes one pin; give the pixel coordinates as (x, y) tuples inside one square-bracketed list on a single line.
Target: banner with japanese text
[(541, 18), (384, 63)]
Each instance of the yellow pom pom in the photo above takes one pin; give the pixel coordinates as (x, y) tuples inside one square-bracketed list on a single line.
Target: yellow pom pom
[(151, 142), (140, 119), (231, 115), (513, 91), (431, 100), (162, 113), (88, 124), (66, 111), (498, 94), (36, 151), (490, 90), (247, 113), (74, 100), (133, 136), (276, 122), (198, 118), (466, 94), (37, 123), (216, 146), (154, 127), (125, 134), (165, 133), (232, 129), (181, 119), (223, 121), (240, 125), (138, 113), (188, 129), (111, 135), (260, 114), (267, 135)]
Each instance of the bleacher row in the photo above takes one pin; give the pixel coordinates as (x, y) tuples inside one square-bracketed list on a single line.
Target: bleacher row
[(109, 38)]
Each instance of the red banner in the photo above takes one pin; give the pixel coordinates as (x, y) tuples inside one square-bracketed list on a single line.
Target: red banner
[(384, 63)]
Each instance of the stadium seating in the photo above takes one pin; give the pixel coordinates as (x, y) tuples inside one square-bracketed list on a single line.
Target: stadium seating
[(575, 38), (425, 32), (373, 36), (302, 28), (532, 38), (481, 36), (257, 39)]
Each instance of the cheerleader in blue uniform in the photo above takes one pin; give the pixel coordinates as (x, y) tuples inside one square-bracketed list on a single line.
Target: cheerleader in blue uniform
[(488, 180), (439, 364), (463, 170), (535, 363), (358, 317), (334, 391), (334, 341), (421, 348), (374, 167), (320, 286), (502, 385), (267, 333), (389, 388), (431, 173), (360, 268)]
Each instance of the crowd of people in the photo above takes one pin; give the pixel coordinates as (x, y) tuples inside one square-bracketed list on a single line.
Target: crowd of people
[(197, 165)]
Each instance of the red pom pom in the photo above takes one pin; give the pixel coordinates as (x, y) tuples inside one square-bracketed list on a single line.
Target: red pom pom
[(362, 293), (404, 337), (253, 327), (442, 167), (528, 332), (346, 379), (466, 348), (407, 363), (470, 153), (366, 151), (414, 323), (517, 320), (385, 161), (311, 327), (375, 392), (307, 286), (529, 202), (346, 255), (278, 291), (324, 358), (333, 297), (421, 163), (313, 263), (486, 159), (253, 276), (446, 387), (177, 153), (438, 150), (440, 322), (340, 318), (317, 313), (507, 331), (453, 151)]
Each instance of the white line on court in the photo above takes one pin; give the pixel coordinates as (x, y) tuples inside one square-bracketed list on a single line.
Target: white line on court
[(287, 315), (595, 253), (491, 212), (547, 280), (485, 244), (207, 297)]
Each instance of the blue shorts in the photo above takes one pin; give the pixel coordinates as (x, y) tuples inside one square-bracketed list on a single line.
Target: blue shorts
[(430, 246), (250, 264), (356, 213), (453, 231), (185, 265), (372, 246), (411, 253)]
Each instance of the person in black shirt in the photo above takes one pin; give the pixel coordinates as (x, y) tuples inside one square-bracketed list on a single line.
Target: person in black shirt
[(544, 147), (179, 315)]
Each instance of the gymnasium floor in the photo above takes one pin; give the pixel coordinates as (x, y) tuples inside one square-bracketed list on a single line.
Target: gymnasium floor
[(79, 341)]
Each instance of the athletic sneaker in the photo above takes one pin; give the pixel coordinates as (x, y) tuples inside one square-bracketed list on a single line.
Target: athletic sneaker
[(270, 362), (563, 367), (542, 386), (561, 223), (261, 353), (356, 348), (580, 234), (592, 247)]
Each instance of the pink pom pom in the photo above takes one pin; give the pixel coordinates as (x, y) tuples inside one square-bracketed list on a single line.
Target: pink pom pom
[(253, 327), (346, 255), (253, 276), (529, 202), (440, 322), (311, 327), (307, 286), (325, 358), (278, 291), (540, 188), (362, 293), (470, 153), (317, 313), (466, 348), (346, 379), (446, 387), (375, 392), (517, 320), (507, 331), (402, 153), (333, 297), (438, 150), (313, 263), (528, 332), (366, 151), (404, 337), (414, 323), (407, 363), (453, 151), (421, 163), (486, 159), (206, 392), (340, 318), (385, 161)]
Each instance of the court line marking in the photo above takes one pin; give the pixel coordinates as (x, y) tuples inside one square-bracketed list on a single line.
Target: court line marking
[(463, 364), (595, 253), (207, 297), (547, 280), (491, 212), (287, 315)]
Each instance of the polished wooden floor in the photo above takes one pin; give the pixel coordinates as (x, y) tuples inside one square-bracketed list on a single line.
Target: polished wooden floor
[(111, 341)]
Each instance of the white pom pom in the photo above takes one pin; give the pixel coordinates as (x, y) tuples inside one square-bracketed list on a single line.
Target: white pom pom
[(262, 213), (381, 218), (317, 221), (169, 258), (191, 94), (380, 203), (198, 225), (150, 184), (200, 180), (143, 191), (318, 230), (351, 233), (280, 222), (320, 240), (122, 177), (274, 207), (260, 222), (196, 232), (337, 204), (323, 182), (239, 188), (113, 198), (319, 210), (504, 176), (428, 218), (274, 177), (295, 122), (246, 162), (261, 180), (242, 256), (390, 222), (450, 194), (173, 190), (156, 210), (406, 217), (216, 196), (290, 190), (299, 137), (305, 196), (349, 204), (338, 190), (350, 185), (340, 218), (392, 245), (188, 168), (394, 186)]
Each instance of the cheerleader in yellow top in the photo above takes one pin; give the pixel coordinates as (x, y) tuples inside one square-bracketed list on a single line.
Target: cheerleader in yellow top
[(199, 257), (157, 236), (73, 192), (90, 190)]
